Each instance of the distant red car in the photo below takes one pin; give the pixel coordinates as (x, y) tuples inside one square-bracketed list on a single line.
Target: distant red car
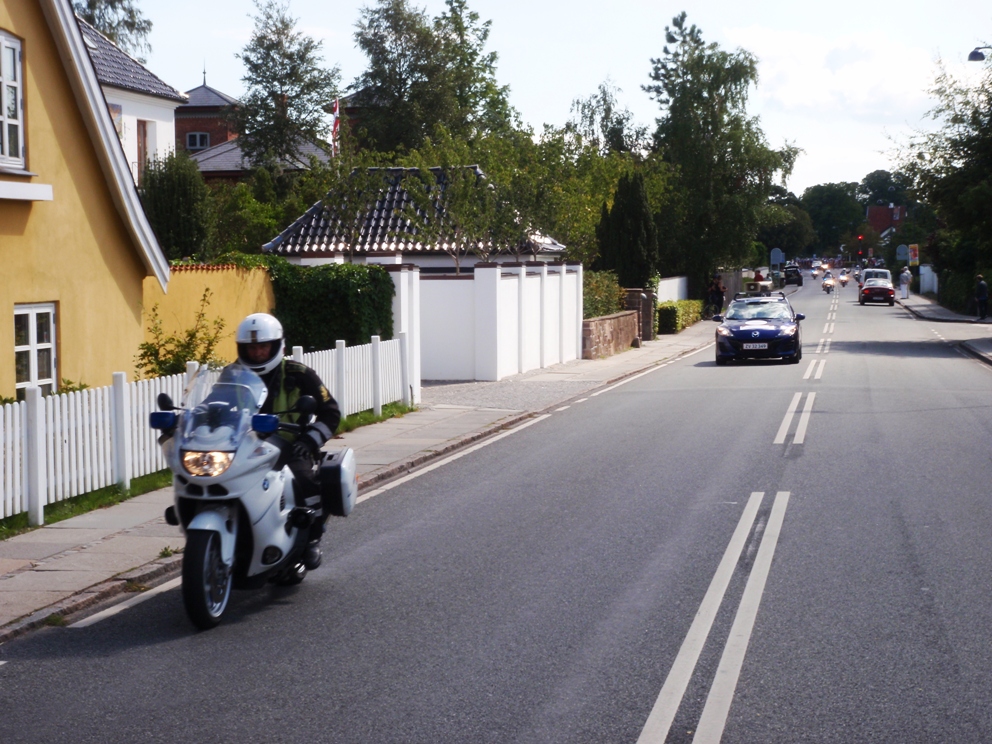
[(877, 290)]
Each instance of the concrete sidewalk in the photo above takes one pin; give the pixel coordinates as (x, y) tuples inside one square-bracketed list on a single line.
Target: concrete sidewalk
[(61, 569), (924, 308)]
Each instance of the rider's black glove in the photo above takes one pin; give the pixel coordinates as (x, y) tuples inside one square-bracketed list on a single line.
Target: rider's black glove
[(309, 443)]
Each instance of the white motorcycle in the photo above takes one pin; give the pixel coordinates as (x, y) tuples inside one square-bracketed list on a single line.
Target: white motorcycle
[(234, 493)]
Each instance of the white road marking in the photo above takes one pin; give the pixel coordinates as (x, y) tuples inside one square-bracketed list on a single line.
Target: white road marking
[(563, 408), (819, 347), (659, 721), (804, 420), (2, 663), (136, 599), (787, 421), (451, 458), (826, 349), (819, 372), (831, 328), (580, 400), (809, 370), (714, 716), (826, 328)]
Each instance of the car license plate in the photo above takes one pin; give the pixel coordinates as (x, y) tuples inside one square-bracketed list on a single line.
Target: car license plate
[(754, 347)]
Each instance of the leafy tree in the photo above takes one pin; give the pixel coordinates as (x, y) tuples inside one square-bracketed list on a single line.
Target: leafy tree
[(786, 225), (723, 169), (628, 241), (951, 168), (423, 73), (120, 21), (240, 221), (883, 187), (289, 91), (601, 122), (175, 199), (834, 211)]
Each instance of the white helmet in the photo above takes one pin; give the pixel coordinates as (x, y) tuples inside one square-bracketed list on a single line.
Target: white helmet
[(260, 328)]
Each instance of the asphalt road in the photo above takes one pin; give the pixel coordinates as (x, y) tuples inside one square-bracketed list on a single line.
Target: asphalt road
[(750, 553)]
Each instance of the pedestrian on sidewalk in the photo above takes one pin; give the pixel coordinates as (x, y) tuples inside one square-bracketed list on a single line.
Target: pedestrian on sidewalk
[(982, 297), (715, 295), (905, 279)]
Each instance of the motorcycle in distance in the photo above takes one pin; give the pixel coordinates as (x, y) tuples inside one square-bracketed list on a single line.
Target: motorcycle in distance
[(843, 280), (235, 495), (828, 285)]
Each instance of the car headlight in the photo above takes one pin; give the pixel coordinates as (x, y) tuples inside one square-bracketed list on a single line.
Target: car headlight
[(787, 330), (207, 463), (723, 331)]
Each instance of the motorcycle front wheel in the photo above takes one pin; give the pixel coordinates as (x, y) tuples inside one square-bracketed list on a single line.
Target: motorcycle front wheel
[(206, 580)]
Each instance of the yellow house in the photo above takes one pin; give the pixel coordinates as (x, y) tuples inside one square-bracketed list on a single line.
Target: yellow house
[(75, 246)]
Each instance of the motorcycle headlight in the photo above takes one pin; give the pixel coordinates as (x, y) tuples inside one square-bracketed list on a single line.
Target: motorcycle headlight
[(723, 331), (207, 463), (787, 330)]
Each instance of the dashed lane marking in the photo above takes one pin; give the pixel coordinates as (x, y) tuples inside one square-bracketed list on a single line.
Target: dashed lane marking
[(718, 702), (809, 370), (787, 421), (662, 715), (819, 347), (826, 349), (804, 420), (819, 372)]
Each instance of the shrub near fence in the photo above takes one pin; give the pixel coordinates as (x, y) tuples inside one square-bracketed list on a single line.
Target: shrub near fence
[(675, 316), (65, 445)]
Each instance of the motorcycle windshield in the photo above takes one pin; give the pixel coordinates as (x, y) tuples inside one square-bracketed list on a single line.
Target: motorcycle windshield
[(218, 415)]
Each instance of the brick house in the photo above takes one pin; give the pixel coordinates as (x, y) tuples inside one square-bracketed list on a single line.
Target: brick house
[(201, 122)]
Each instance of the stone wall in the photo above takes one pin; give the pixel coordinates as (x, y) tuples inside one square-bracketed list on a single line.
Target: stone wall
[(610, 334)]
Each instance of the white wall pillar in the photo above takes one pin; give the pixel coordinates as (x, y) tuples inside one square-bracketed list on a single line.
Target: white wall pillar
[(486, 294), (405, 368), (562, 274), (376, 378), (406, 319), (578, 311), (521, 317), (543, 316)]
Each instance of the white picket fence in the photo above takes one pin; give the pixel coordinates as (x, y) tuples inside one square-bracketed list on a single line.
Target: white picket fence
[(65, 445)]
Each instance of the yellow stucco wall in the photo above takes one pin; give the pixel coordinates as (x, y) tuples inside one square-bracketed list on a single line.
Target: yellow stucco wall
[(74, 251), (234, 293)]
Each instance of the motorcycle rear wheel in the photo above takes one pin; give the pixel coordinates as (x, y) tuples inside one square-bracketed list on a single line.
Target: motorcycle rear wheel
[(206, 580)]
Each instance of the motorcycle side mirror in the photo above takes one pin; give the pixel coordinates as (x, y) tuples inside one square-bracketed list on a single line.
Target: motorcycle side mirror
[(306, 405), (165, 402)]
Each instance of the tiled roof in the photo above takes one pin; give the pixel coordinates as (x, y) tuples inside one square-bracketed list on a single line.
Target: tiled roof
[(116, 69), (226, 158), (207, 97), (385, 225), (319, 231)]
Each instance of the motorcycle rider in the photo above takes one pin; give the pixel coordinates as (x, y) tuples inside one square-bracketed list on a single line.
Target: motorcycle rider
[(260, 348)]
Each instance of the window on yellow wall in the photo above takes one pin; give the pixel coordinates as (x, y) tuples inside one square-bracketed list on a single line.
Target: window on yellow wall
[(11, 102), (34, 348)]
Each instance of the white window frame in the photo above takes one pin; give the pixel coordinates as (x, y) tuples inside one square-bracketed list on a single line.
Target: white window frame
[(196, 145), (11, 86), (32, 312)]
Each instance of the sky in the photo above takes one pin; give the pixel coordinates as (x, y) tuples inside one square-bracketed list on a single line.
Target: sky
[(845, 80)]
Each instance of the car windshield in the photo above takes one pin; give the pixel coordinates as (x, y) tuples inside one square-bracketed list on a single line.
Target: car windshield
[(758, 311), (876, 283)]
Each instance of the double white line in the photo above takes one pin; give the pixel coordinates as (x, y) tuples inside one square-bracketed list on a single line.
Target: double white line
[(717, 707), (783, 430)]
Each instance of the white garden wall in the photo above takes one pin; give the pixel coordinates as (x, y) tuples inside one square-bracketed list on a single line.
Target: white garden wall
[(500, 321), (673, 288)]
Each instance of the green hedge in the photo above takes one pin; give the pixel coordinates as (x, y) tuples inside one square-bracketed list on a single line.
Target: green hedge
[(601, 294), (956, 291), (317, 305), (675, 316)]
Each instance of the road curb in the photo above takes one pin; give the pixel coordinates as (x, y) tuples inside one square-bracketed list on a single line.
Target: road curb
[(162, 569), (136, 579)]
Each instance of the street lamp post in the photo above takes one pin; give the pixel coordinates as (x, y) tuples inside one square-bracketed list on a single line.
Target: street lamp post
[(976, 54)]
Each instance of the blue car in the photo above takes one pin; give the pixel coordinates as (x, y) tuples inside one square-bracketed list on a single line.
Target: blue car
[(759, 328)]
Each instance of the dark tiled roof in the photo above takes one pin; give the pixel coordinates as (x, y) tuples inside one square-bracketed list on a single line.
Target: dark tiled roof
[(226, 157), (385, 225), (116, 69), (207, 97)]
